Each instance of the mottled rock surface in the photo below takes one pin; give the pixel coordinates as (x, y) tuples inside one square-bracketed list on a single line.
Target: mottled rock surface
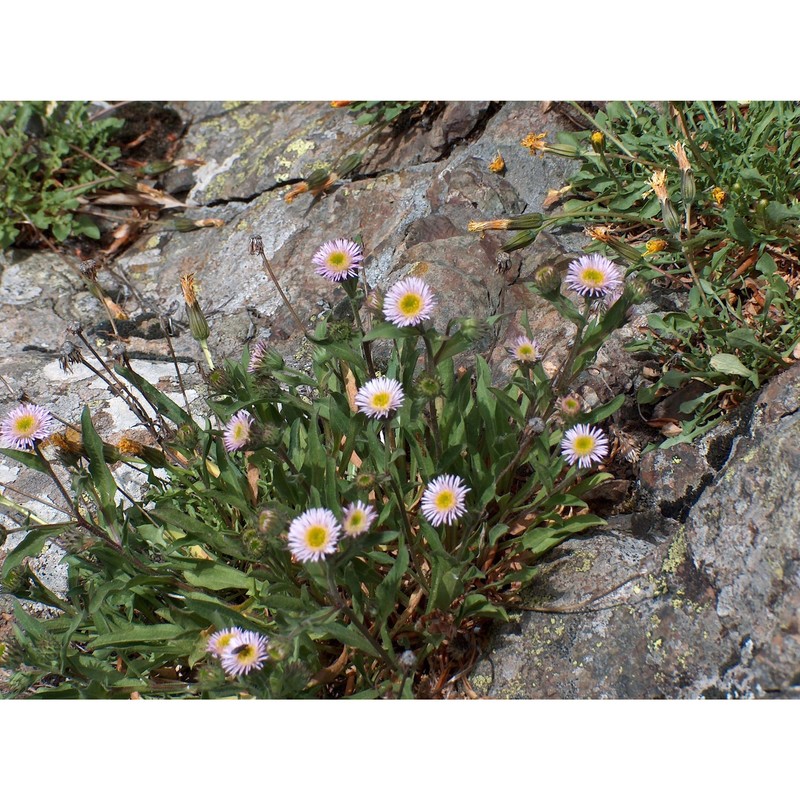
[(695, 595), (652, 607)]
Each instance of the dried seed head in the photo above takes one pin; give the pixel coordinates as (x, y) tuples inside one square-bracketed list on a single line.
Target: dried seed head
[(89, 269), (658, 184), (256, 245), (75, 327), (70, 354)]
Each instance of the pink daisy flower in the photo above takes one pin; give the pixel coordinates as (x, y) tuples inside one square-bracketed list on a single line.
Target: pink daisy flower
[(237, 431), (314, 534), (584, 444), (358, 517), (524, 350), (593, 276), (379, 397), (25, 425), (246, 651), (408, 302), (443, 500), (338, 259)]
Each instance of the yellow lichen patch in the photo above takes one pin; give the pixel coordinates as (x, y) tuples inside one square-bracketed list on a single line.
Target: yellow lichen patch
[(300, 146), (420, 268), (676, 554)]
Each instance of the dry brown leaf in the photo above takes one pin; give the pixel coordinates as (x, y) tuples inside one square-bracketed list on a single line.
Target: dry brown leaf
[(114, 309), (253, 475), (327, 674)]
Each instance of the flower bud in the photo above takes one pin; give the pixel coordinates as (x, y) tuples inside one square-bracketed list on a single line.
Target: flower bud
[(472, 328), (350, 164), (688, 190), (671, 220), (598, 141), (254, 544), (428, 386), (522, 239), (655, 246), (547, 280)]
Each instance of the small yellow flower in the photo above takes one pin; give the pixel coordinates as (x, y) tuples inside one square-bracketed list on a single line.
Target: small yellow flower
[(655, 246), (598, 138), (658, 184), (497, 165), (535, 142), (719, 195)]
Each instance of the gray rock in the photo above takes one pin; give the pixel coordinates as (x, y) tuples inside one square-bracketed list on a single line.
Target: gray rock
[(652, 608)]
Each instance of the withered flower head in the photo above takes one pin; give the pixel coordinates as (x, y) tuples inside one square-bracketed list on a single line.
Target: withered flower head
[(498, 165), (187, 287), (655, 246), (719, 195), (89, 268), (535, 142), (658, 184), (680, 154), (599, 233)]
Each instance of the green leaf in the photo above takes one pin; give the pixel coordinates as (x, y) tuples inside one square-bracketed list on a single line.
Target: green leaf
[(446, 584), (138, 634), (729, 364), (386, 591), (164, 404), (215, 575), (31, 545), (27, 459), (101, 475)]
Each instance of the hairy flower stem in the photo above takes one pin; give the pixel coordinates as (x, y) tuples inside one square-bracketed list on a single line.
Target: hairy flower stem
[(409, 537), (5, 501), (117, 387), (207, 353), (336, 599), (274, 278), (431, 367)]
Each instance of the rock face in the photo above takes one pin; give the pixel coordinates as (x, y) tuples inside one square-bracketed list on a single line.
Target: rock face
[(696, 596), (653, 607)]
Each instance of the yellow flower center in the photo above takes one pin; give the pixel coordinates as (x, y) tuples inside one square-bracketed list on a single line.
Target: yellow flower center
[(583, 445), (246, 652), (356, 519), (525, 351), (337, 259), (25, 425), (410, 304), (224, 641), (381, 400), (592, 277), (445, 500), (316, 536)]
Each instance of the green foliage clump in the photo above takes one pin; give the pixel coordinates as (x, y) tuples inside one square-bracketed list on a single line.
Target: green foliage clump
[(398, 610), (721, 221), (49, 154)]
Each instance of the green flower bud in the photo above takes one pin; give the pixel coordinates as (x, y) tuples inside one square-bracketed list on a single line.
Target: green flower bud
[(522, 239), (688, 190), (547, 280), (670, 216), (428, 386)]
